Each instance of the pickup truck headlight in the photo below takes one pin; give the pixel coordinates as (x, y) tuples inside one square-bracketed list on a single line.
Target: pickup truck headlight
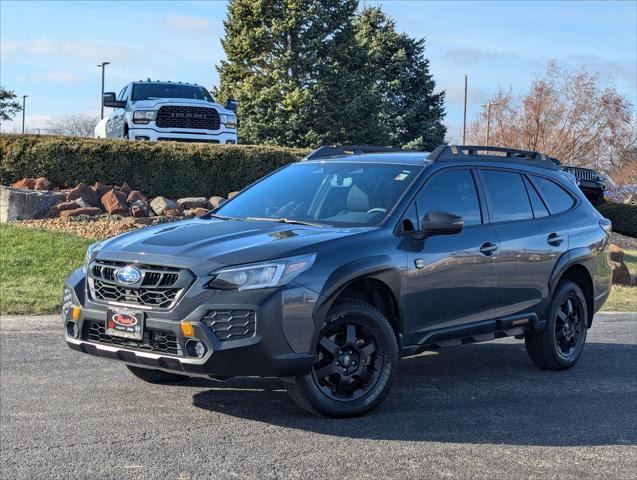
[(144, 116), (229, 120), (274, 273)]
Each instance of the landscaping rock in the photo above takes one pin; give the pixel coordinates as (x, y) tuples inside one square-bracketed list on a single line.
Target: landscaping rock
[(82, 190), (215, 201), (138, 209), (114, 202), (160, 204), (135, 196), (42, 183), (621, 274), (172, 212), (192, 202), (196, 212), (125, 189), (232, 194), (55, 210), (19, 204), (100, 189), (24, 183), (81, 211)]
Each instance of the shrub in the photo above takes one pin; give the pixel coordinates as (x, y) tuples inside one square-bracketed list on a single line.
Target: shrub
[(162, 168), (623, 216)]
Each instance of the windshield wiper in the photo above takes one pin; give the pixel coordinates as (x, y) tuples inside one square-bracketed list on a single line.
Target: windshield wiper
[(222, 217), (285, 220)]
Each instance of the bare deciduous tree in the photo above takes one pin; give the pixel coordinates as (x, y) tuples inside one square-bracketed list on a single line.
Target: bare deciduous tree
[(72, 126), (568, 115)]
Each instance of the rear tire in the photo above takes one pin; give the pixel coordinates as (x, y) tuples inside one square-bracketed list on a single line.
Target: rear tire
[(156, 376), (561, 343), (357, 359)]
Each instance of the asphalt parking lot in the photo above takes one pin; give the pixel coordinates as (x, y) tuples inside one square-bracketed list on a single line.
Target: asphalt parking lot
[(480, 411)]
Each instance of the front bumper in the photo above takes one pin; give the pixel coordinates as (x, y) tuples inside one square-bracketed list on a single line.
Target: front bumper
[(150, 133), (280, 346)]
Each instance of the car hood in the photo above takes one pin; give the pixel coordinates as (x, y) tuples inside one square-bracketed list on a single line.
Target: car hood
[(156, 103), (212, 243)]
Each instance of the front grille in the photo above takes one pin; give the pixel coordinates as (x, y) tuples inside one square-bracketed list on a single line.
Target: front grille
[(160, 287), (582, 173), (231, 324), (201, 118), (154, 340)]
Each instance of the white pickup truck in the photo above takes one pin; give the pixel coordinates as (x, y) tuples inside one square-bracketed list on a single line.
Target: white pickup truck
[(168, 111)]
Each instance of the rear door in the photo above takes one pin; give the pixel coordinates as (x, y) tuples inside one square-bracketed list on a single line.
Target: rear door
[(531, 240), (452, 279)]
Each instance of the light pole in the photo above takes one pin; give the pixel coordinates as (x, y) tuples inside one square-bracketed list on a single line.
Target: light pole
[(489, 105), (464, 116), (103, 67), (24, 104)]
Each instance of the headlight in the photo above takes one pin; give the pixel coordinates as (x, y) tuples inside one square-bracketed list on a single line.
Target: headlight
[(261, 275), (144, 116), (229, 120), (91, 252)]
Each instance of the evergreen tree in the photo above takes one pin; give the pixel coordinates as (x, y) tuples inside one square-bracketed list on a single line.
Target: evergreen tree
[(411, 112), (9, 105)]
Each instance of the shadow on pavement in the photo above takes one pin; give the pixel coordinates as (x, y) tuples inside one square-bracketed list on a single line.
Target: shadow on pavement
[(486, 393)]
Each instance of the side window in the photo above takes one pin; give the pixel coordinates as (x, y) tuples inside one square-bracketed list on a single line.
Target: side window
[(539, 209), (454, 192), (557, 199), (507, 193)]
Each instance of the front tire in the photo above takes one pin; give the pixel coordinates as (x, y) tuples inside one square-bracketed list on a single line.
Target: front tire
[(156, 376), (561, 343), (356, 361)]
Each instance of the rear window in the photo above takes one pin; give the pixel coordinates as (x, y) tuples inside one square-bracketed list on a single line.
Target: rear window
[(555, 197), (507, 194)]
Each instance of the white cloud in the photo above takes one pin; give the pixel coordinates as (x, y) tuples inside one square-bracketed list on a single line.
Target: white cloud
[(78, 50), (188, 23), (32, 123)]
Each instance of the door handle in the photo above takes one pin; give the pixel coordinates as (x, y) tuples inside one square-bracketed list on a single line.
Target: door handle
[(555, 239), (488, 248)]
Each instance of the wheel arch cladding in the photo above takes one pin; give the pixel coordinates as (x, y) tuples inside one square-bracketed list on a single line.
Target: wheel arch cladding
[(580, 275)]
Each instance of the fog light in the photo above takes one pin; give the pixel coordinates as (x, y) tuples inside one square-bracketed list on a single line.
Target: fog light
[(72, 330), (195, 348), (187, 329)]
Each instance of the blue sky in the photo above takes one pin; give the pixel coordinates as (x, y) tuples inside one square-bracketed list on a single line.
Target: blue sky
[(49, 50)]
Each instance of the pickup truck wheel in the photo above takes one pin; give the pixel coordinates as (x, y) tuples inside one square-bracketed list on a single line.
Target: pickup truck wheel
[(356, 361), (561, 343), (156, 376)]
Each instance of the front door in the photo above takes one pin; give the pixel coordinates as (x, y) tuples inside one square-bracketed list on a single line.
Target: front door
[(452, 279)]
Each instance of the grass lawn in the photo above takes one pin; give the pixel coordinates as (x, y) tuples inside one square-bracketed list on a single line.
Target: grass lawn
[(33, 266), (34, 263)]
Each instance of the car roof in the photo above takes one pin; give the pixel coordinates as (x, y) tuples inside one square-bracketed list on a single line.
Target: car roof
[(402, 158)]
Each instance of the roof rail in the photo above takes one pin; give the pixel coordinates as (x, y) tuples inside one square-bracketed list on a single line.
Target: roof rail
[(450, 153), (331, 151)]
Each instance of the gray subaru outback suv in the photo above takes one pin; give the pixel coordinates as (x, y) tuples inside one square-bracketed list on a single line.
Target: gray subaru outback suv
[(328, 270)]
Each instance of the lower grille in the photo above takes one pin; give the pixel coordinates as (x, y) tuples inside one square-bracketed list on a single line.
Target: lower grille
[(154, 340), (231, 324)]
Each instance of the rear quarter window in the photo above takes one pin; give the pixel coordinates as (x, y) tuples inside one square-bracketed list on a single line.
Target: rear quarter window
[(555, 197)]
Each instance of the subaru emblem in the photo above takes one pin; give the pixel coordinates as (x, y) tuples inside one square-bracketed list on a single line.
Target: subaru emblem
[(128, 275)]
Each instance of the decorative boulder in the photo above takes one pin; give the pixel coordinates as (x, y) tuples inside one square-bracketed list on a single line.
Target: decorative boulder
[(232, 194), (621, 274), (115, 203), (18, 204), (172, 212), (125, 189), (100, 189), (135, 196), (192, 202), (215, 201), (42, 183), (55, 210), (82, 190), (24, 183), (196, 212), (90, 211), (160, 204)]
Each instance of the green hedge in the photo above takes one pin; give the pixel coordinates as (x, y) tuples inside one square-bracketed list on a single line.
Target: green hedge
[(172, 169), (623, 216)]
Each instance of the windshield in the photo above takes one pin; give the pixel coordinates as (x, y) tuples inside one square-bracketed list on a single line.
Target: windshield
[(152, 91), (349, 194)]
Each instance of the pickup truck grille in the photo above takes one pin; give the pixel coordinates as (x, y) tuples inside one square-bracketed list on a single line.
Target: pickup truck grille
[(201, 118), (159, 288), (582, 173), (157, 341)]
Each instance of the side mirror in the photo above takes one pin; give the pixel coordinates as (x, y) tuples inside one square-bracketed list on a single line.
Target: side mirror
[(231, 104), (110, 100), (441, 223)]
